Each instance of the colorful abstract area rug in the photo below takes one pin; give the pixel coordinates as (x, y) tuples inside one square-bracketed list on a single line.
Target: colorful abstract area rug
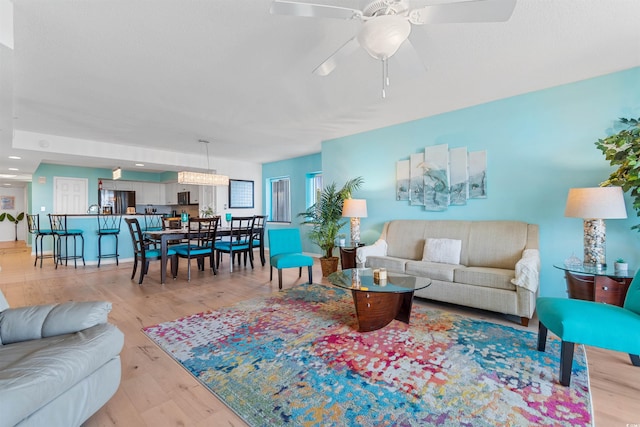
[(295, 358)]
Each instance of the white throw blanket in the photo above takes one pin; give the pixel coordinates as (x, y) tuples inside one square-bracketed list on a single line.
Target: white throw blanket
[(528, 270), (379, 248)]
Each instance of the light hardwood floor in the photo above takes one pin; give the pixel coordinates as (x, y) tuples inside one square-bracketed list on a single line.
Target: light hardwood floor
[(156, 391)]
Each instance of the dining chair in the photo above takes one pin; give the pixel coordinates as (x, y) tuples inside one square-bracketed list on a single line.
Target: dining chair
[(285, 251), (59, 226), (200, 243), (258, 236), (144, 254), (108, 225), (591, 323), (33, 222), (240, 241), (153, 222)]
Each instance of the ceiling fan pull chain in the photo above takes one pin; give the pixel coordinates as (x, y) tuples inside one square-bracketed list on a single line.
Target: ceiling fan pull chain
[(385, 77)]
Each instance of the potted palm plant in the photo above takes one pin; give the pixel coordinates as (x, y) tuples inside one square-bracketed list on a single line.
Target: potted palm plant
[(325, 218)]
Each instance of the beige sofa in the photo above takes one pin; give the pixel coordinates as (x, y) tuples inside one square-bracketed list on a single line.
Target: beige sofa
[(491, 265)]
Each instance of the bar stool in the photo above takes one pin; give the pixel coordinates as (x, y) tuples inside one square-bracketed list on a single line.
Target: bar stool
[(108, 225), (60, 230), (33, 222)]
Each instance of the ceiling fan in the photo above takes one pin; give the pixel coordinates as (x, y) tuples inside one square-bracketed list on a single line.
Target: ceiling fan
[(387, 24)]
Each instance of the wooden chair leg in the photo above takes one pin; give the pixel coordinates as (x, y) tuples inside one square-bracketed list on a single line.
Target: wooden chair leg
[(279, 278), (174, 266), (135, 267), (271, 273), (299, 272), (310, 275), (524, 321), (566, 362), (635, 359), (542, 337)]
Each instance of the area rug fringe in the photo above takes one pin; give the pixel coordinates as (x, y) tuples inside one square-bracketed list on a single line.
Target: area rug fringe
[(296, 358)]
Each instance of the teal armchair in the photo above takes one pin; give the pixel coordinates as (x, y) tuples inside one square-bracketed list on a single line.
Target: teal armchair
[(591, 323), (285, 251)]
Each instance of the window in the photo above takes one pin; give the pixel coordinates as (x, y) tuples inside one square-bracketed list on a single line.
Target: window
[(314, 188), (280, 201)]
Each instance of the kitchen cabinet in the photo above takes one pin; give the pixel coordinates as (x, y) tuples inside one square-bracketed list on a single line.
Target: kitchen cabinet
[(171, 193), (148, 193), (108, 184)]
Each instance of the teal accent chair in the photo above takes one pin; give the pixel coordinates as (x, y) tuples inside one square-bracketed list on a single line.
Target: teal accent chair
[(285, 251), (591, 323)]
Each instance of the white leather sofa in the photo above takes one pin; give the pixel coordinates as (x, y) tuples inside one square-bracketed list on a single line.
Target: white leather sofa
[(491, 265), (59, 363)]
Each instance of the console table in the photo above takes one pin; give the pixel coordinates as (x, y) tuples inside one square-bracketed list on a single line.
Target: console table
[(604, 285)]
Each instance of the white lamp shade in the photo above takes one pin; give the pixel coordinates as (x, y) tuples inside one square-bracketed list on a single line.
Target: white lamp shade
[(354, 208), (596, 203), (381, 37)]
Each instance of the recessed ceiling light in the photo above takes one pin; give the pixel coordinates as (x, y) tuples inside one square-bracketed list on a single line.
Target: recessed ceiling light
[(140, 164), (6, 175), (7, 184), (15, 157), (14, 169)]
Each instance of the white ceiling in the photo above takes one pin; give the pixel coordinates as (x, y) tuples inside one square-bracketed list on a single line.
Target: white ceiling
[(155, 76)]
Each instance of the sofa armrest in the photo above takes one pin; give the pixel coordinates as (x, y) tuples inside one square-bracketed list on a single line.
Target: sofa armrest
[(528, 270), (35, 322), (379, 248)]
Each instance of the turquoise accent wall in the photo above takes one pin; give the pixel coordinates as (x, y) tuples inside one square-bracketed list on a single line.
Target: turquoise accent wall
[(538, 146), (296, 169)]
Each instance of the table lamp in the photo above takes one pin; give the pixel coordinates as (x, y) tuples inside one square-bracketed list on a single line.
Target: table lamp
[(354, 209), (594, 205)]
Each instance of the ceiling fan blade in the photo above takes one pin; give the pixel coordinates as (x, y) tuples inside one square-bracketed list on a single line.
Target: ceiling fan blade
[(466, 11), (330, 64), (285, 7)]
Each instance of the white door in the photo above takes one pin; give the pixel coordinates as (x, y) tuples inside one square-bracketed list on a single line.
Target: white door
[(70, 195)]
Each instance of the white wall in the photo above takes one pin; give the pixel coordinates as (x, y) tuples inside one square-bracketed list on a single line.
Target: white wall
[(7, 228)]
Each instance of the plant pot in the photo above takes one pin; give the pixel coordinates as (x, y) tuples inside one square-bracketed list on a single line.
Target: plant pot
[(621, 266), (329, 265)]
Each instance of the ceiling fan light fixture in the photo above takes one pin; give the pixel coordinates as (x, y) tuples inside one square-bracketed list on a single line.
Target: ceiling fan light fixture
[(381, 37)]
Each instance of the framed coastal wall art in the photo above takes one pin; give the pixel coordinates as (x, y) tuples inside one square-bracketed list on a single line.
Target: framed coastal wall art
[(416, 184), (459, 176), (436, 177), (402, 180), (478, 175), (7, 202), (441, 177)]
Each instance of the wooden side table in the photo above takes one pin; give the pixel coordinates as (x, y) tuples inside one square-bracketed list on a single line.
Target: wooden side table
[(347, 257), (607, 286)]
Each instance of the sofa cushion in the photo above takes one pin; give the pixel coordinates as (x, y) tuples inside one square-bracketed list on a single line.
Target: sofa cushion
[(41, 321), (442, 250), (488, 277), (390, 263), (432, 270), (44, 372), (497, 244)]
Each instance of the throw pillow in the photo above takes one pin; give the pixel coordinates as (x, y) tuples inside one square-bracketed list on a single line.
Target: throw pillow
[(446, 251)]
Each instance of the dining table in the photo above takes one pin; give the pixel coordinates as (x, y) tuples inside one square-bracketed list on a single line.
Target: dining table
[(171, 234)]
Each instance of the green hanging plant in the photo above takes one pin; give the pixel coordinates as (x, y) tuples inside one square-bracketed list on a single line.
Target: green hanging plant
[(623, 150), (13, 219)]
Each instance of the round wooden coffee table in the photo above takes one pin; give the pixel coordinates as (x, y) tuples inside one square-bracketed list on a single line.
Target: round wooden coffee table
[(377, 304)]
